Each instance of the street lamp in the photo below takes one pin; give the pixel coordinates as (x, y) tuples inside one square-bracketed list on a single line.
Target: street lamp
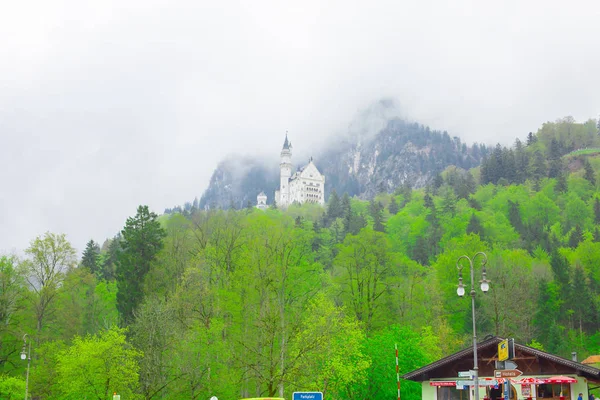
[(27, 356), (485, 286)]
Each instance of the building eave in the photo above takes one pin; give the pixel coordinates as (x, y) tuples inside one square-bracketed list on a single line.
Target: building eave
[(417, 375)]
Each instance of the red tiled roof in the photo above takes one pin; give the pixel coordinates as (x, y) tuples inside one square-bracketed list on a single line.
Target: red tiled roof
[(591, 360)]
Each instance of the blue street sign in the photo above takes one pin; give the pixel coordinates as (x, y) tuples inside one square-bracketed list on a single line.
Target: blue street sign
[(307, 396)]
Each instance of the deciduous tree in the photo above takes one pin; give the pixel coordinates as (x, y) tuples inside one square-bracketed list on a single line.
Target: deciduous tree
[(49, 257), (96, 366)]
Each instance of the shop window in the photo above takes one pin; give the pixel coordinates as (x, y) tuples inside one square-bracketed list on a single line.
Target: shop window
[(451, 393), (497, 392), (548, 391)]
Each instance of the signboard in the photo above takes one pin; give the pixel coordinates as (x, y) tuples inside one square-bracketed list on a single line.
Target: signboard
[(506, 390), (307, 396), (507, 373), (483, 382), (116, 396), (506, 350), (503, 350), (442, 383), (466, 374)]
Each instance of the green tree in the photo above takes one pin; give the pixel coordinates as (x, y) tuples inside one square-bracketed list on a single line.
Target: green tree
[(334, 208), (11, 388), (11, 290), (413, 352), (582, 302), (110, 258), (362, 270), (155, 335), (90, 257), (549, 305), (596, 210), (376, 211), (475, 226), (393, 206), (95, 366), (49, 258), (142, 240), (561, 183), (329, 350), (575, 237), (589, 174)]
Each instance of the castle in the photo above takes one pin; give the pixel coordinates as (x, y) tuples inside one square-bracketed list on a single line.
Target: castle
[(306, 185)]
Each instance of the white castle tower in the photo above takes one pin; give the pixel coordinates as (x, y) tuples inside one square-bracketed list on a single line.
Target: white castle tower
[(306, 185), (261, 201)]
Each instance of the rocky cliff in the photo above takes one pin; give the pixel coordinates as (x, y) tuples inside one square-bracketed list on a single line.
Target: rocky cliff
[(358, 163)]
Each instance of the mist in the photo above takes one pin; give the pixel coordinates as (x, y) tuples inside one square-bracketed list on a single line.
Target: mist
[(105, 105)]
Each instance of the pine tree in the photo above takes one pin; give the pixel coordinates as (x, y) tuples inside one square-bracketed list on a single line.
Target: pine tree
[(393, 206), (406, 192), (142, 240), (420, 252), (596, 235), (438, 181), (346, 206), (334, 208), (449, 202), (582, 301), (514, 216), (538, 166), (597, 210), (428, 201), (589, 174), (376, 210), (357, 222), (90, 257), (475, 227), (560, 268), (555, 162), (109, 266), (521, 162), (561, 183), (576, 237)]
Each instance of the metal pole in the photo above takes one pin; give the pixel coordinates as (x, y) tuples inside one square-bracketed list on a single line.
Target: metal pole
[(475, 369), (484, 280), (27, 374), (397, 370)]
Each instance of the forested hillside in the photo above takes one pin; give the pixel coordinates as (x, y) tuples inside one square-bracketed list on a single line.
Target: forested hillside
[(240, 303)]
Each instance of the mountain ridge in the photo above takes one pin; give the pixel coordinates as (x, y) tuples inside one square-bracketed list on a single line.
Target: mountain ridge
[(360, 164)]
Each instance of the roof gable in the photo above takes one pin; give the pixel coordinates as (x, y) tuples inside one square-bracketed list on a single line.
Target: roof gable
[(310, 171), (531, 361)]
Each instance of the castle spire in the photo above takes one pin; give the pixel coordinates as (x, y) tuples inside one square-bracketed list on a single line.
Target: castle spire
[(286, 144)]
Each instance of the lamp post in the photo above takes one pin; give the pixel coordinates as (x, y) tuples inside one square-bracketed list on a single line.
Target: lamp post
[(485, 286), (27, 356)]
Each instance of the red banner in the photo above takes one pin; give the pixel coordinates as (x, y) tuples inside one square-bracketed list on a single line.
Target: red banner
[(442, 383)]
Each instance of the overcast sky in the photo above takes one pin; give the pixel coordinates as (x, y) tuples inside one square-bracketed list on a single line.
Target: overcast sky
[(105, 105)]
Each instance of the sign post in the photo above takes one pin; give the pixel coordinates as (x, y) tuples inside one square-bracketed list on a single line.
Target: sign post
[(307, 396), (507, 390), (507, 373)]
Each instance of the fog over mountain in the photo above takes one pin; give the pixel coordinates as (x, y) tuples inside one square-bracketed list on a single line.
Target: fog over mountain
[(105, 105)]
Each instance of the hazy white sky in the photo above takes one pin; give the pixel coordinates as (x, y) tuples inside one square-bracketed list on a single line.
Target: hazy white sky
[(105, 105)]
